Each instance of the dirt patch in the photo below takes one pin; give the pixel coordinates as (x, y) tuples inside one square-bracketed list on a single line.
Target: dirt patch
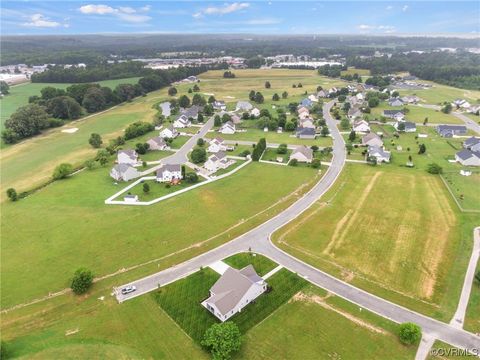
[(300, 296)]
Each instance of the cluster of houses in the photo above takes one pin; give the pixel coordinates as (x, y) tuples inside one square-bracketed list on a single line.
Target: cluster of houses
[(375, 148), (470, 155), (404, 100), (218, 158), (462, 104), (306, 124)]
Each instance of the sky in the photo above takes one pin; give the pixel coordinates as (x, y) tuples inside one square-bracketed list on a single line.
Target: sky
[(254, 17)]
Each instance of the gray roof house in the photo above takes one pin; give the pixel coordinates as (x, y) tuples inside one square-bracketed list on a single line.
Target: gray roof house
[(157, 143), (468, 158), (394, 114), (243, 106), (372, 139), (302, 153), (124, 172), (450, 130), (127, 156), (395, 102), (472, 144), (169, 172), (306, 133), (233, 291), (379, 153)]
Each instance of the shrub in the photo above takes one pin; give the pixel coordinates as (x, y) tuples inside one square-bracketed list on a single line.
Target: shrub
[(293, 162), (82, 281), (12, 194), (434, 168), (62, 171), (410, 333)]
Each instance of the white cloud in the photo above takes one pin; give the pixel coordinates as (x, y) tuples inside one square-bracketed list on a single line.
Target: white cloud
[(405, 8), (38, 20), (221, 10), (125, 13), (386, 29), (389, 7)]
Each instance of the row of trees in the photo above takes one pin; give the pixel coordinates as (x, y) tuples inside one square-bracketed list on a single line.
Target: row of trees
[(54, 106)]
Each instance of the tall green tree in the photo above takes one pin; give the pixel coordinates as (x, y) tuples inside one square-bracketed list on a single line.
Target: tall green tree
[(222, 340), (82, 281), (184, 101), (27, 120), (95, 140), (410, 333), (64, 107), (94, 100), (62, 171)]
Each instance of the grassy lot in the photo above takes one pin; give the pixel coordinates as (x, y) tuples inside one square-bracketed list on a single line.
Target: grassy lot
[(261, 264), (440, 93), (181, 301), (316, 326), (472, 318), (19, 95), (99, 329), (418, 114), (412, 250), (466, 189), (352, 70), (236, 164), (70, 226), (271, 154)]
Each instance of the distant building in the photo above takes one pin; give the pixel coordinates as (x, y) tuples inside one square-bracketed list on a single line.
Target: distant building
[(182, 122), (472, 144), (372, 139), (216, 145), (130, 198), (395, 102), (394, 114), (361, 126), (169, 132), (243, 106), (450, 130), (157, 143), (468, 157), (219, 105), (217, 161)]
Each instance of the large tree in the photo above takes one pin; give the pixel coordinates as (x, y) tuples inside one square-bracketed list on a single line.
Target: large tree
[(94, 100), (125, 92), (184, 101), (82, 281), (4, 88), (222, 340), (410, 333), (95, 140), (28, 120), (199, 155), (64, 107), (62, 171)]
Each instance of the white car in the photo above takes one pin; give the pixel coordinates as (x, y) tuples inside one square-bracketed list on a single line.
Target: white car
[(128, 289)]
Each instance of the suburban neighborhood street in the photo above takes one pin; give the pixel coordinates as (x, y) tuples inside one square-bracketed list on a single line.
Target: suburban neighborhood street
[(258, 240), (469, 123)]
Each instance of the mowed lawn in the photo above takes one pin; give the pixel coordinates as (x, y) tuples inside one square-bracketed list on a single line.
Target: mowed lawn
[(472, 318), (316, 326), (261, 264), (19, 94), (418, 114), (394, 232), (437, 94), (466, 189), (67, 225)]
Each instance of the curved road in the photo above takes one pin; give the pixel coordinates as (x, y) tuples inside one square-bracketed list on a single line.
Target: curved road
[(258, 240)]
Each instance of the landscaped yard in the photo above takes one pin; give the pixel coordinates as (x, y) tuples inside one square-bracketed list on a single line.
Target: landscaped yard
[(316, 326), (261, 264), (271, 154), (70, 226), (409, 250), (466, 189), (417, 114), (182, 301)]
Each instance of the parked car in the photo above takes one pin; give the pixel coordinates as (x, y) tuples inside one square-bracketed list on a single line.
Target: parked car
[(128, 289)]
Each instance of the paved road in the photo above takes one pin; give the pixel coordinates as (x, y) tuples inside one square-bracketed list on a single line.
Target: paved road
[(258, 240), (469, 123), (269, 145)]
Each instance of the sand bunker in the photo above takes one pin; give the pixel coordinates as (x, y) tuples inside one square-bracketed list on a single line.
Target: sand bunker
[(70, 131)]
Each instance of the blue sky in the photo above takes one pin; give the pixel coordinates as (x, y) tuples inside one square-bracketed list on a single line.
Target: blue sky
[(260, 17)]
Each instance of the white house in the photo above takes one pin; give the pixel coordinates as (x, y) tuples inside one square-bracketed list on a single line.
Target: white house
[(233, 291), (227, 128), (394, 114), (461, 103), (130, 198), (360, 97), (395, 102), (468, 157), (182, 122), (472, 144), (127, 156), (169, 133), (255, 112), (306, 123), (372, 139), (313, 98), (302, 153), (405, 126), (124, 172), (243, 106), (379, 153), (361, 126), (169, 172), (157, 143), (217, 161), (216, 145), (219, 105), (166, 109)]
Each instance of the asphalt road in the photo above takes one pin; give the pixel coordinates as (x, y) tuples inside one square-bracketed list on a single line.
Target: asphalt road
[(258, 240), (469, 123)]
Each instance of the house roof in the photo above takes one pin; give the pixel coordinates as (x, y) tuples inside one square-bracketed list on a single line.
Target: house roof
[(132, 154), (305, 131), (370, 136), (471, 141), (244, 105), (354, 111), (410, 125), (192, 111), (123, 168), (467, 154), (217, 140), (158, 140), (228, 124), (218, 156), (232, 287), (374, 149), (442, 128), (304, 150), (169, 168), (392, 112)]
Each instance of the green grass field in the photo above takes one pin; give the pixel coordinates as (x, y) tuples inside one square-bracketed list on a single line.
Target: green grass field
[(182, 301), (352, 70), (316, 326), (437, 94), (70, 226), (408, 250), (261, 264), (19, 95), (466, 189), (271, 154), (472, 318), (418, 114)]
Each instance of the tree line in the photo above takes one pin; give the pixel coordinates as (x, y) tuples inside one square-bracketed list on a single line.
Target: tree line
[(55, 106)]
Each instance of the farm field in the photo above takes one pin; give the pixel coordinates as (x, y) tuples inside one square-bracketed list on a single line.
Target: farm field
[(70, 226), (310, 326), (182, 299), (404, 252), (19, 94), (418, 114)]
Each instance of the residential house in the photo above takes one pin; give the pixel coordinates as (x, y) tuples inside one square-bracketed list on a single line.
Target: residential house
[(406, 126), (124, 172), (468, 157), (306, 102), (372, 139), (332, 92), (306, 123), (313, 98), (303, 112), (157, 143), (233, 291), (461, 103), (397, 115), (219, 105), (322, 94), (354, 112), (410, 99), (169, 173), (243, 106), (192, 112), (235, 119), (227, 128), (217, 161), (472, 144), (360, 97), (216, 145), (361, 126), (127, 156), (395, 102), (353, 101), (474, 109), (182, 122), (169, 132), (302, 153), (305, 133), (379, 153), (166, 109), (255, 112), (449, 130)]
